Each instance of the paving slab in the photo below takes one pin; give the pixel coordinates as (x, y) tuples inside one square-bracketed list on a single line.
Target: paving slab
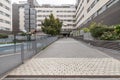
[(69, 66)]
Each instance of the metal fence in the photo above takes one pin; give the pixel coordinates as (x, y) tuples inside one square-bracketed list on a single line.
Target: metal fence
[(13, 55)]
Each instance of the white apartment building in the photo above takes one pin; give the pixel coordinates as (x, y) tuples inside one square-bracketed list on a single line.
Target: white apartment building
[(5, 15), (66, 14), (87, 10)]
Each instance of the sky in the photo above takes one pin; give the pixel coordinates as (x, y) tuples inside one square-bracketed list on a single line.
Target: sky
[(54, 2)]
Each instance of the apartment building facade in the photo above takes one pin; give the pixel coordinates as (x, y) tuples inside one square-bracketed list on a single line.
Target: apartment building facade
[(5, 16), (100, 11), (66, 14), (24, 16)]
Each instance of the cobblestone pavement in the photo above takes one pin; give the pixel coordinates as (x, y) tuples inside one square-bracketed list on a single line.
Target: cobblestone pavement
[(70, 57)]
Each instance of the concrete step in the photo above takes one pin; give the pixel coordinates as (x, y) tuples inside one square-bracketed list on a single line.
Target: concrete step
[(61, 79)]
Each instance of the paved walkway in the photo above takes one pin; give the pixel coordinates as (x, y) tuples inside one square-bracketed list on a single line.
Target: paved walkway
[(68, 57), (70, 48)]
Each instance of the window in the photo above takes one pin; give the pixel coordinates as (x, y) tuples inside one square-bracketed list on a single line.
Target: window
[(4, 6), (7, 1), (7, 22), (88, 1), (1, 4), (3, 28), (111, 2), (101, 10), (92, 5), (1, 20)]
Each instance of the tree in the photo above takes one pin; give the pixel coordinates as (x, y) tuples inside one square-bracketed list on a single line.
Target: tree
[(51, 25)]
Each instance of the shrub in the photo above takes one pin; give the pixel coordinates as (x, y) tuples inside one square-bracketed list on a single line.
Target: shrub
[(97, 30), (109, 36), (3, 36), (23, 34), (86, 30), (117, 29)]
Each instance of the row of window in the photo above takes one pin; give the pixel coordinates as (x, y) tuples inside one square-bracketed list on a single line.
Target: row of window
[(66, 29), (54, 6), (92, 5), (64, 25), (44, 11), (80, 12), (65, 16), (5, 21), (57, 16), (80, 18), (8, 1), (43, 15), (65, 20), (88, 1), (5, 14), (80, 5), (4, 28), (62, 20), (4, 6), (65, 11)]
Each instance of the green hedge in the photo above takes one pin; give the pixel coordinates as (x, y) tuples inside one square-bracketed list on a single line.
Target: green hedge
[(104, 32), (3, 36), (97, 30)]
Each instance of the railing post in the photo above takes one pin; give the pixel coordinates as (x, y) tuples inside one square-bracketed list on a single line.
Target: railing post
[(15, 48), (22, 53), (36, 47)]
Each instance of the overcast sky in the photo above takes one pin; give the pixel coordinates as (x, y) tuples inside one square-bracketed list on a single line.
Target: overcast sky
[(57, 2)]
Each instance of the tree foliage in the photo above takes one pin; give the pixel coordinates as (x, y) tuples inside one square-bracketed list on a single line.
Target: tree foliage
[(104, 32), (51, 25), (97, 30)]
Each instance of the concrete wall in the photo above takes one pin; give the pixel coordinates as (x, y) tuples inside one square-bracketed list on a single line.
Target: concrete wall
[(115, 45)]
